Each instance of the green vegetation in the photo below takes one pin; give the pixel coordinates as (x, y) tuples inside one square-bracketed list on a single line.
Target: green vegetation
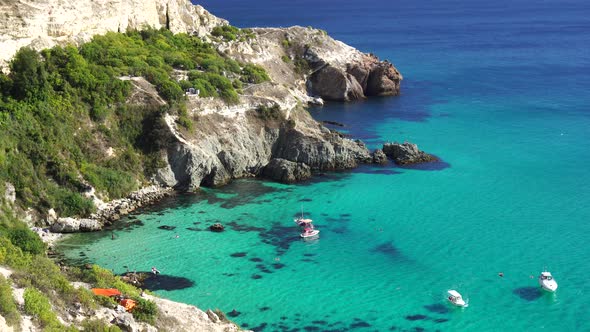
[(267, 113), (8, 308), (65, 125), (38, 306), (213, 85), (254, 74), (98, 277), (230, 33), (61, 109), (145, 311), (26, 240), (301, 66), (49, 291)]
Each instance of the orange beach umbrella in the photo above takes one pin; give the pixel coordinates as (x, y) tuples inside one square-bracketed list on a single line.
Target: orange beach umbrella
[(106, 291)]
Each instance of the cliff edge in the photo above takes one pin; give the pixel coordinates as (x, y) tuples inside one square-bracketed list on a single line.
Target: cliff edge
[(43, 24)]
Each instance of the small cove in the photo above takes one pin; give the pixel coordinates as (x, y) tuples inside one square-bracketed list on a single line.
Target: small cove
[(510, 197)]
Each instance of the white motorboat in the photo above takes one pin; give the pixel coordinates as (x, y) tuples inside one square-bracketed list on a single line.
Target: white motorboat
[(547, 282), (306, 224), (456, 299), (308, 229)]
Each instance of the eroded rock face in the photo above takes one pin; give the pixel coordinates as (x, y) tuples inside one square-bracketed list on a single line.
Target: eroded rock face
[(368, 77), (286, 171), (72, 225), (66, 225), (379, 157), (383, 80), (331, 83), (222, 148), (406, 153)]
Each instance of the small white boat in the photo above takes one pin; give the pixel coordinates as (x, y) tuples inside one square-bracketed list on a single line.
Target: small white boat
[(308, 229), (456, 299), (547, 282), (306, 224)]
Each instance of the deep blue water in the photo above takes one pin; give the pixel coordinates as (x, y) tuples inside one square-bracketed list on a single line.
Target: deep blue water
[(496, 89)]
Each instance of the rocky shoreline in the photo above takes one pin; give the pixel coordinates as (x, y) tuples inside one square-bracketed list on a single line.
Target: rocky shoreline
[(108, 212)]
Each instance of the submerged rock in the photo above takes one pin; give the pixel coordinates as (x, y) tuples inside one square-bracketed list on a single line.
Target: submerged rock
[(217, 227), (406, 153), (286, 171)]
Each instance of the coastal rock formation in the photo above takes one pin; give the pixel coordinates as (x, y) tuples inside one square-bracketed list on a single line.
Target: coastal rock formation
[(235, 142), (311, 61), (369, 77), (43, 24), (406, 153), (333, 84), (72, 225), (114, 209), (286, 171), (379, 157)]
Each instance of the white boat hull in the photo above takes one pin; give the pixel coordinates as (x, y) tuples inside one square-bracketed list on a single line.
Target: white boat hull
[(313, 233), (548, 285), (459, 303), (456, 299)]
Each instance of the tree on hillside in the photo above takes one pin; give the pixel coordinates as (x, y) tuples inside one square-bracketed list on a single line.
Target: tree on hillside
[(28, 75)]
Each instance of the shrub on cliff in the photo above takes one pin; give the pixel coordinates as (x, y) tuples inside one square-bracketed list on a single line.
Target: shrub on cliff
[(26, 240), (269, 113), (38, 306), (145, 311), (8, 308), (254, 74), (116, 183)]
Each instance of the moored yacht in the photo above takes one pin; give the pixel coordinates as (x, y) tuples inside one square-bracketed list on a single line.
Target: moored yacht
[(308, 229), (547, 282)]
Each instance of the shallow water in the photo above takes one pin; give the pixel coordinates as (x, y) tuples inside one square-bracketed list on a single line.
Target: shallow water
[(498, 92)]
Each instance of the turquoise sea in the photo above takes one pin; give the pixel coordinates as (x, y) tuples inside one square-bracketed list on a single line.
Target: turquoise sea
[(498, 90)]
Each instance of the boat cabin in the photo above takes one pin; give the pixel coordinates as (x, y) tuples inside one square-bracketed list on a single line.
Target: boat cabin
[(546, 276)]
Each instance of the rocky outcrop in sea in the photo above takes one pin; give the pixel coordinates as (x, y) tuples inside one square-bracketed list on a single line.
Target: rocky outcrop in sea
[(406, 153)]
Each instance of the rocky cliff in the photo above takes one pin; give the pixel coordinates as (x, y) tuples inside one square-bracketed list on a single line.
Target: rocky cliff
[(42, 24), (310, 60), (235, 142)]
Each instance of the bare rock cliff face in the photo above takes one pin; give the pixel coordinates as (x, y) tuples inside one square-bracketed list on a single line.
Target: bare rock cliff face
[(43, 24), (239, 143)]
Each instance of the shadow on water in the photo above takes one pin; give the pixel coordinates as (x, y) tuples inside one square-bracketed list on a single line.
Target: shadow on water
[(416, 317), (437, 308), (432, 166), (281, 237), (528, 293), (391, 251), (166, 282), (388, 169)]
